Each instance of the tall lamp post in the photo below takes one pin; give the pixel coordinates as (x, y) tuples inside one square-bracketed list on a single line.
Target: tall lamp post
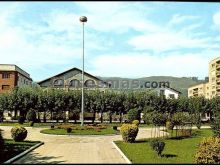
[(83, 19)]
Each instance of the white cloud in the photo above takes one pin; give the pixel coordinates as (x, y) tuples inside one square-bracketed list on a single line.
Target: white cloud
[(164, 41), (16, 47), (178, 19), (138, 65), (55, 38), (216, 19), (171, 38), (117, 17)]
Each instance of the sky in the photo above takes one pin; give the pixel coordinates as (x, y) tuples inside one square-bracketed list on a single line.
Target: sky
[(122, 39)]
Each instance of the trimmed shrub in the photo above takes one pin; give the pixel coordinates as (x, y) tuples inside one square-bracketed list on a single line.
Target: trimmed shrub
[(147, 114), (136, 122), (177, 119), (2, 146), (89, 116), (180, 118), (37, 121), (159, 119), (68, 130), (208, 151), (21, 119), (31, 123), (31, 115), (115, 127), (18, 133), (129, 132), (133, 114), (147, 117), (215, 125), (196, 119), (186, 132), (157, 146), (14, 118), (64, 126), (169, 125), (98, 130), (52, 126)]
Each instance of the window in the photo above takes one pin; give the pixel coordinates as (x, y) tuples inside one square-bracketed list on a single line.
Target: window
[(58, 82), (74, 83), (162, 92), (5, 87), (90, 83), (213, 79), (5, 75), (171, 96)]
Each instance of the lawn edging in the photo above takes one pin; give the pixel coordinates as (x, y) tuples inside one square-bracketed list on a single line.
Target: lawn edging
[(44, 131), (23, 153), (79, 135), (122, 154)]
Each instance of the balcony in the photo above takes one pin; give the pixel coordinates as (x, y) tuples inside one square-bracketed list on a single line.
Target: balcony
[(195, 93), (218, 66), (196, 89), (217, 79), (217, 93)]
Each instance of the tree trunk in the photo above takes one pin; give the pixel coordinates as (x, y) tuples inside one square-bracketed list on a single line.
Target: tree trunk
[(64, 117), (16, 113), (101, 117), (38, 116), (44, 117), (51, 115), (110, 117), (120, 117)]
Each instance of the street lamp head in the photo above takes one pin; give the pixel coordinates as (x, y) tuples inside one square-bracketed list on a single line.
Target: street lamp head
[(83, 19)]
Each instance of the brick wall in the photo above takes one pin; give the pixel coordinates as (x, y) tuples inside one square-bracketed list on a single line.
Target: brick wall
[(12, 81)]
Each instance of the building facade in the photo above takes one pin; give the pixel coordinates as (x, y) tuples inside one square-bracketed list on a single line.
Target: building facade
[(169, 93), (212, 87), (12, 76), (199, 90), (71, 79)]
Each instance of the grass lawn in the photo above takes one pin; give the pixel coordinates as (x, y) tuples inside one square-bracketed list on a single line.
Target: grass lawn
[(14, 148), (57, 131), (176, 151)]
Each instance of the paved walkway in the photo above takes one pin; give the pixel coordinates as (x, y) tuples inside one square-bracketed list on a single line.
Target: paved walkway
[(73, 149)]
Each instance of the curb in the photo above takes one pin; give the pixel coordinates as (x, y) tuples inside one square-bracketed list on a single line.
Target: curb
[(122, 154), (80, 135), (23, 153)]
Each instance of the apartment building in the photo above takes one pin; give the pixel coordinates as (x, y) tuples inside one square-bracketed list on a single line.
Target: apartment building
[(211, 88), (214, 77), (199, 90), (12, 76)]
